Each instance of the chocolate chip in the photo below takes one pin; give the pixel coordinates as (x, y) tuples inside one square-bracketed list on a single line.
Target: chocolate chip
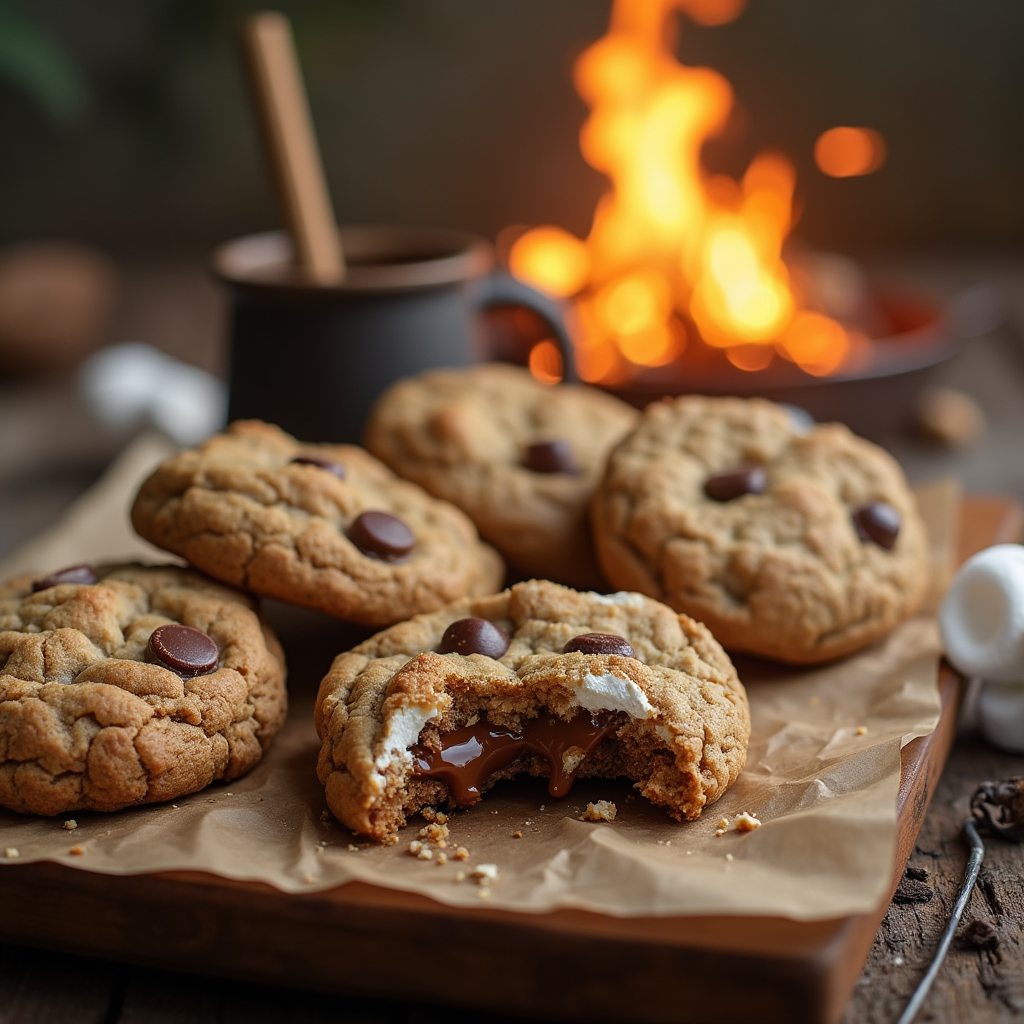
[(599, 643), (183, 649), (551, 457), (474, 636), (315, 460), (382, 536), (734, 483), (877, 522), (84, 574)]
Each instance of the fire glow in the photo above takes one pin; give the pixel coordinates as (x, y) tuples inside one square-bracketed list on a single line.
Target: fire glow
[(675, 255)]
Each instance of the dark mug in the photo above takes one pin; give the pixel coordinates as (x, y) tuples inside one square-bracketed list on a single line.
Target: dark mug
[(313, 358)]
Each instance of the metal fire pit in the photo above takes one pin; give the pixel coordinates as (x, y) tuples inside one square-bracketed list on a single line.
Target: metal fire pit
[(872, 399)]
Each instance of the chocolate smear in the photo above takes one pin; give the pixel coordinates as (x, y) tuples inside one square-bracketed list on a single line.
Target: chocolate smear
[(468, 756), (551, 457), (321, 463), (83, 574), (734, 483), (878, 522), (382, 536), (599, 643), (183, 649), (474, 636)]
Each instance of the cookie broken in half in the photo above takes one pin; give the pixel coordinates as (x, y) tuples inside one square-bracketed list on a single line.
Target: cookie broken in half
[(539, 679)]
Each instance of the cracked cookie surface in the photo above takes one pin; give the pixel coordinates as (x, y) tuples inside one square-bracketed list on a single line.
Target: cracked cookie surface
[(241, 508), (679, 716), (465, 435), (87, 723), (780, 570)]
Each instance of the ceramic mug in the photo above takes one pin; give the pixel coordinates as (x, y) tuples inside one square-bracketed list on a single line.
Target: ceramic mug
[(313, 358)]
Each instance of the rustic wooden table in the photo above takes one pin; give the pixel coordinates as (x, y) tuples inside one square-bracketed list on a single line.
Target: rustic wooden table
[(51, 450)]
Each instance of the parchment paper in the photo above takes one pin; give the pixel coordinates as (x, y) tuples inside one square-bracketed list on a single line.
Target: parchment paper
[(822, 775)]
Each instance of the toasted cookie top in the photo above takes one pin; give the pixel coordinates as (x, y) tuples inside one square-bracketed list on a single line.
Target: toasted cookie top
[(681, 715), (800, 546), (518, 457), (323, 526), (138, 685)]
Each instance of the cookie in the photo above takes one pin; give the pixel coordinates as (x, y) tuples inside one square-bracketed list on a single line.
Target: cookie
[(797, 544), (130, 685), (520, 458), (539, 679), (322, 526)]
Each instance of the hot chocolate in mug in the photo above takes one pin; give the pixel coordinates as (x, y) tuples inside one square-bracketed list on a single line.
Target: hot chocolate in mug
[(313, 358)]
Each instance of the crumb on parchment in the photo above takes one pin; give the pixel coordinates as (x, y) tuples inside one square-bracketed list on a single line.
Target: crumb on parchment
[(484, 874), (11, 853), (603, 810), (746, 822), (70, 824), (76, 850), (462, 853), (862, 730)]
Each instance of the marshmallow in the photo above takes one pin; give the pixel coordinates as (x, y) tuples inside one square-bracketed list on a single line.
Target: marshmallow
[(982, 616), (1001, 715)]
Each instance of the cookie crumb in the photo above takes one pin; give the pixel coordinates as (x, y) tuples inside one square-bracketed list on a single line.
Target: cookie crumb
[(442, 858), (11, 853), (746, 822), (462, 853), (484, 894), (436, 834), (603, 810), (542, 807), (861, 730), (484, 873), (352, 848), (729, 857), (517, 835), (689, 853), (460, 876), (70, 824), (76, 850), (174, 807), (414, 847), (325, 815), (308, 878), (420, 850)]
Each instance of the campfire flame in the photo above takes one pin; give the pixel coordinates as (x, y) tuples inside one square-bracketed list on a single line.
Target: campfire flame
[(674, 254)]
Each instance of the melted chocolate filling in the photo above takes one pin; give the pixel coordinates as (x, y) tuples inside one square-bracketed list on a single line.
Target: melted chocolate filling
[(470, 754)]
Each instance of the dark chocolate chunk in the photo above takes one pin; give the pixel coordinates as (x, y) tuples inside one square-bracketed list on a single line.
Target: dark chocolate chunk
[(877, 522), (183, 649), (599, 643), (315, 460), (474, 636), (551, 457), (382, 536), (84, 574), (735, 483)]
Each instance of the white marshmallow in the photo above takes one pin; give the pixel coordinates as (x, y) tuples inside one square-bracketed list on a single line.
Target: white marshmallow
[(1001, 715), (982, 615)]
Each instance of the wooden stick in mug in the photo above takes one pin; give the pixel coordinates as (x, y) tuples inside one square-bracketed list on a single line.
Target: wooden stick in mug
[(291, 144)]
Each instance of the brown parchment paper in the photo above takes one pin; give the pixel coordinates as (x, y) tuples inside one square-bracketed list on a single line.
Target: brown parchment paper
[(822, 775)]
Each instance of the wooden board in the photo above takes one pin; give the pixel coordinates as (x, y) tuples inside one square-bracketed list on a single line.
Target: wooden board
[(567, 965)]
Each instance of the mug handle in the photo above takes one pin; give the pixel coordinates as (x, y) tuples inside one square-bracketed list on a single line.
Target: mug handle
[(499, 288)]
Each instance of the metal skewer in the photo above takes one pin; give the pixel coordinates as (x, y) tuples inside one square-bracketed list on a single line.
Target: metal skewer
[(970, 877)]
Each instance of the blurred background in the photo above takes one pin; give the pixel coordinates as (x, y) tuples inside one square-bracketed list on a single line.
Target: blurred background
[(127, 128)]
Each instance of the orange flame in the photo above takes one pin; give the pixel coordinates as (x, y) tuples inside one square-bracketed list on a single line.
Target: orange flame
[(673, 249)]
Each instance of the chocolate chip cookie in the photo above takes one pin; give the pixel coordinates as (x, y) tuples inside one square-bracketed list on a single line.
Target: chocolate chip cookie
[(519, 458), (799, 545), (541, 680), (130, 685), (322, 526)]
